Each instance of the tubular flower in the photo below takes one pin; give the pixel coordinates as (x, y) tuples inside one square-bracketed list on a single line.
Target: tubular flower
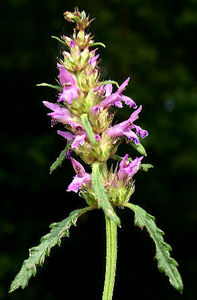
[(70, 89), (125, 128), (128, 169), (81, 178), (77, 139), (115, 98), (120, 183), (59, 114)]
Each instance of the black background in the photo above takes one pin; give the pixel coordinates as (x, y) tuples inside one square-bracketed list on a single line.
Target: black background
[(154, 42)]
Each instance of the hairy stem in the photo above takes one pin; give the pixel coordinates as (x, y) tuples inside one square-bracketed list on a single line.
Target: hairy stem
[(111, 258)]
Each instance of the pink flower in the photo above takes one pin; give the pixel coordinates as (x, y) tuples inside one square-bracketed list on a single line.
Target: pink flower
[(77, 139), (81, 178), (62, 115), (59, 114), (93, 60), (115, 98), (70, 89), (125, 128), (128, 169), (66, 134)]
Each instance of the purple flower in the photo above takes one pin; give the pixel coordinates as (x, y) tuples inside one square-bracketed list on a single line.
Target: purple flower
[(77, 139), (141, 132), (108, 89), (62, 115), (124, 128), (72, 44), (81, 178), (128, 169), (93, 60), (115, 98), (66, 134), (97, 137), (70, 89), (59, 114)]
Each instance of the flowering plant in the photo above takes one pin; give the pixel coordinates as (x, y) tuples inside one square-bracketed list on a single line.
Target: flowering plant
[(85, 110)]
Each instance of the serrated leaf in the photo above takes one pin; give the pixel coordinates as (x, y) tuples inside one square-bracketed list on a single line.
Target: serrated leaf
[(140, 148), (60, 158), (146, 167), (101, 195), (166, 263), (37, 254), (86, 124), (56, 87)]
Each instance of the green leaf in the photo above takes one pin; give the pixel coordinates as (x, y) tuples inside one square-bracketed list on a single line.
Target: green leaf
[(37, 254), (146, 167), (98, 44), (60, 158), (109, 81), (56, 87), (140, 148), (59, 40), (166, 263), (88, 128), (101, 195)]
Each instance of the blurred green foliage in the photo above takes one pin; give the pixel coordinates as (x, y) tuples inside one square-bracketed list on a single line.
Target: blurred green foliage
[(152, 41)]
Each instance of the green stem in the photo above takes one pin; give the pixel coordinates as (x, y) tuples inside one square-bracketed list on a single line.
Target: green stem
[(111, 258)]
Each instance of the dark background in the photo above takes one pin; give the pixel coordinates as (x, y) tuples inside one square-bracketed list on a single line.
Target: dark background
[(154, 42)]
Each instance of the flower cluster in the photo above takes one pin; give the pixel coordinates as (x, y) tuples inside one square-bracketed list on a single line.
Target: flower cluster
[(81, 93)]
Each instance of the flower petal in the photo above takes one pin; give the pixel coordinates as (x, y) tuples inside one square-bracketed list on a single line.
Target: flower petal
[(123, 85), (64, 76), (66, 134), (128, 101), (79, 140)]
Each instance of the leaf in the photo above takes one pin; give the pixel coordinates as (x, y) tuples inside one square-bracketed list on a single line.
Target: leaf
[(37, 254), (98, 44), (166, 263), (101, 195), (109, 81), (88, 128), (146, 167), (58, 39), (56, 87), (60, 158), (140, 148)]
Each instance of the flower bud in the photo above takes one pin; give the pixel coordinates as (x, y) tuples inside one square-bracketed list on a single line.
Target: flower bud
[(120, 195), (80, 18), (84, 57), (101, 121)]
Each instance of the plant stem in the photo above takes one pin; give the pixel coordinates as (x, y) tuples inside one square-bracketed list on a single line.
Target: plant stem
[(111, 258)]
